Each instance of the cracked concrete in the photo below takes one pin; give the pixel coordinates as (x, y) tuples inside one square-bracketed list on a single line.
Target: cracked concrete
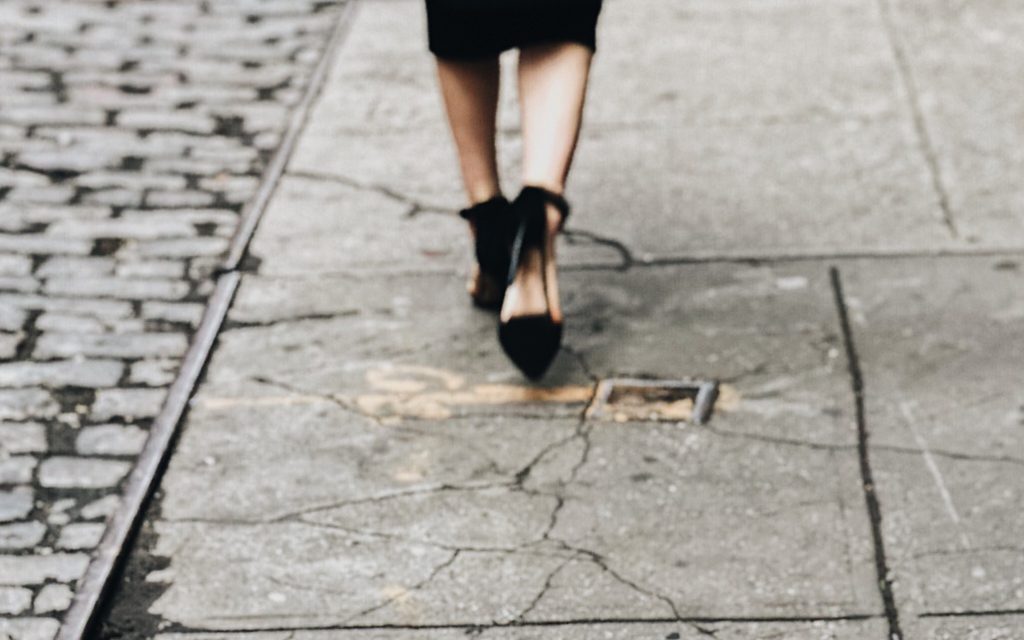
[(370, 465)]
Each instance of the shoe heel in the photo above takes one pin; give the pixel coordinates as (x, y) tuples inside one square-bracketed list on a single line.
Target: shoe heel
[(489, 293)]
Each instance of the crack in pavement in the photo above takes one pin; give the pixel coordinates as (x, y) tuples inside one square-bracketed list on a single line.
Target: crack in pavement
[(581, 359), (440, 488), (602, 563), (230, 325), (925, 141), (824, 446), (572, 236), (405, 591), (543, 591), (525, 549), (415, 206)]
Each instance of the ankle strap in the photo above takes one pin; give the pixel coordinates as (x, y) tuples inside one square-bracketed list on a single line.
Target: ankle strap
[(486, 207), (550, 197)]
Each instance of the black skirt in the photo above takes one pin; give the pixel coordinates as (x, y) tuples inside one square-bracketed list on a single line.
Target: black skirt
[(471, 29)]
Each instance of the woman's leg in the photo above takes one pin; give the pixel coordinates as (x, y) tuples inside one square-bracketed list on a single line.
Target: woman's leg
[(552, 89), (470, 92)]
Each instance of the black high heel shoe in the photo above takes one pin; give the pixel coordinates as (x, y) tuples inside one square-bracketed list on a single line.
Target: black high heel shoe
[(492, 222), (532, 341)]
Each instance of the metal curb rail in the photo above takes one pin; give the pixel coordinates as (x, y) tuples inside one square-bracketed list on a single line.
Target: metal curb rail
[(92, 590)]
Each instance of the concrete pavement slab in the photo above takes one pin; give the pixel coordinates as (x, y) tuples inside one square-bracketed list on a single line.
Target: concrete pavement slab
[(458, 495), (941, 348), (961, 62), (969, 628), (741, 61), (380, 119), (707, 190), (746, 179), (768, 332)]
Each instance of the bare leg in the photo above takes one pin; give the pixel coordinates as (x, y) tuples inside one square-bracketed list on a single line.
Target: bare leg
[(470, 92), (552, 89)]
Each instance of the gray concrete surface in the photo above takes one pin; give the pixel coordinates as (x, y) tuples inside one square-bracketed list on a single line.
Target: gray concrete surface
[(361, 461)]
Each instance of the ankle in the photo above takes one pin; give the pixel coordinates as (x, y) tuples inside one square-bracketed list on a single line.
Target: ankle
[(554, 186), (482, 194)]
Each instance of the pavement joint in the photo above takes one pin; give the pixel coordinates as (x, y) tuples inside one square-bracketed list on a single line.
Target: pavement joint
[(233, 325), (971, 614), (525, 624), (573, 235), (884, 575), (926, 144)]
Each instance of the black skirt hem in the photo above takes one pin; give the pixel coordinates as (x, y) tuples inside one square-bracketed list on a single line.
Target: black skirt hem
[(486, 28)]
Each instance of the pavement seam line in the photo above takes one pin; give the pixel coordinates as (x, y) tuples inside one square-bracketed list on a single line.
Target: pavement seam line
[(926, 144), (885, 582), (96, 585), (857, 617)]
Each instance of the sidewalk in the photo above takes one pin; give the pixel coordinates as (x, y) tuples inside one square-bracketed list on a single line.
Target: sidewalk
[(807, 202)]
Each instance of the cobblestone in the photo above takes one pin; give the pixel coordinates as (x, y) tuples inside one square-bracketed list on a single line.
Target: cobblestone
[(33, 569), (64, 323), (22, 437), (17, 469), (11, 319), (43, 244), (86, 473), (9, 344), (101, 508), (88, 373), (164, 120), (130, 288), (141, 345), (14, 599), (140, 228), (153, 373), (21, 535), (110, 439), (53, 597), (189, 313), (82, 267), (176, 248), (131, 136), (82, 535), (78, 306), (15, 504), (152, 269), (15, 265), (127, 403), (29, 628)]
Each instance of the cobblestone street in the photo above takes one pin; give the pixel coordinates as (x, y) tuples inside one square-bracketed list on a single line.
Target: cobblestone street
[(131, 135)]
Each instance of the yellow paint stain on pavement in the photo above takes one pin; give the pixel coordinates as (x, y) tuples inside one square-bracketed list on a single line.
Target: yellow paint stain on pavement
[(438, 405), (220, 404), (417, 392), (728, 398)]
